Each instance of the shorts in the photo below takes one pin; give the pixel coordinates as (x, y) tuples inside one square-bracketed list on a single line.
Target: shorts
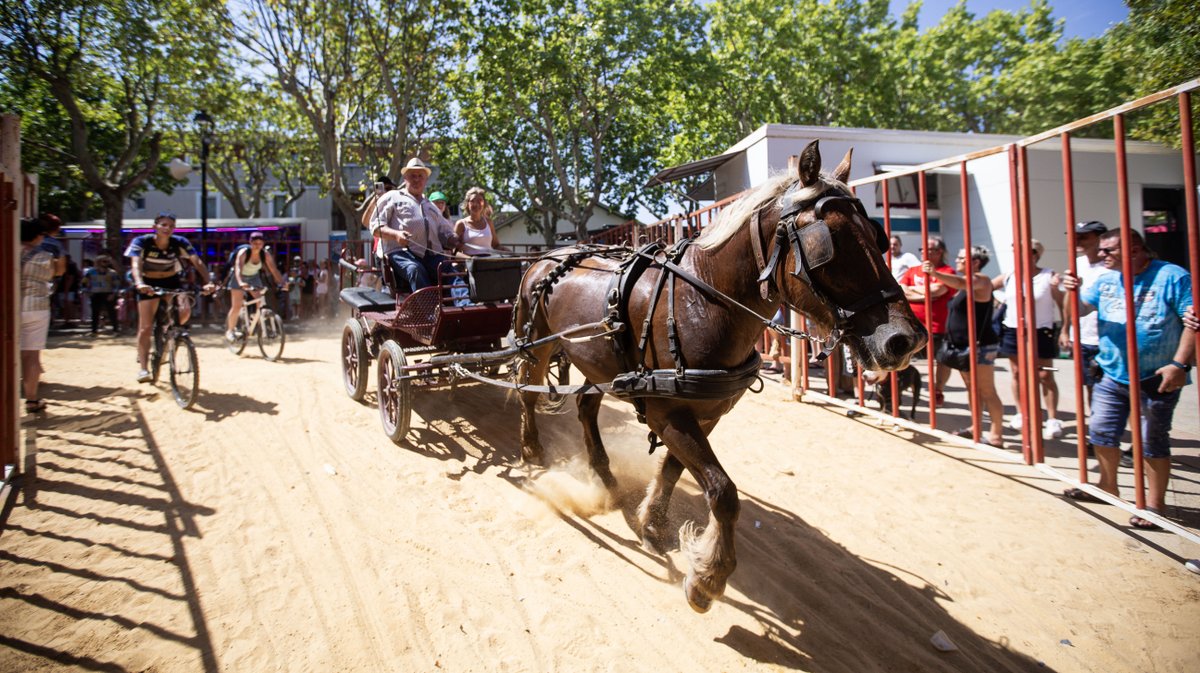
[(169, 283), (1047, 342), (34, 326), (1110, 411), (986, 355), (254, 281)]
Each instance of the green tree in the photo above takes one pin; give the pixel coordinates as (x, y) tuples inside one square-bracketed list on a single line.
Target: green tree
[(1161, 41), (261, 147), (562, 103), (112, 69), (359, 73)]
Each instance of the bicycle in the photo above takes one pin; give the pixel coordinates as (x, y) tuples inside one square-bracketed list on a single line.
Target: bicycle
[(265, 324), (172, 341)]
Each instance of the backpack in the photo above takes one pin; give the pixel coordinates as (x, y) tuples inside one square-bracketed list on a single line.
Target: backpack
[(230, 265)]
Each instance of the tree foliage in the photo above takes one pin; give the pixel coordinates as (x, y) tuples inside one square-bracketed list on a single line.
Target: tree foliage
[(361, 74), (561, 103), (112, 69)]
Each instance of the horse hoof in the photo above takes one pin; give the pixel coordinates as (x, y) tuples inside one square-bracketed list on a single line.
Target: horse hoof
[(652, 541), (696, 596)]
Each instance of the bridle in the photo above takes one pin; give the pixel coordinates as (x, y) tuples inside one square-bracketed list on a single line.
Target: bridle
[(811, 246)]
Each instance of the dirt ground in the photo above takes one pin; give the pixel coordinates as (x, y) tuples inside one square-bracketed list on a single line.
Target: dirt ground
[(275, 528)]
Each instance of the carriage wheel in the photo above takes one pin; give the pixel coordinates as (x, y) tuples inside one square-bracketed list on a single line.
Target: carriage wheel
[(355, 360), (395, 393)]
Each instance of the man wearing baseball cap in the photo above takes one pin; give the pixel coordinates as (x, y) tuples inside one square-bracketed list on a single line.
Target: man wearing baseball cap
[(443, 206), (413, 232)]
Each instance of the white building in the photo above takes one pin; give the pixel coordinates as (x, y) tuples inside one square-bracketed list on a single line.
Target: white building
[(1156, 195)]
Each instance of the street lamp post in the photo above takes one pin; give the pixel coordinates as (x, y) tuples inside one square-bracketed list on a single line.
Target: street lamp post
[(206, 137)]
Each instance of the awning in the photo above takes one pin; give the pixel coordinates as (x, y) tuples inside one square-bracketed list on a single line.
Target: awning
[(689, 169), (889, 168)]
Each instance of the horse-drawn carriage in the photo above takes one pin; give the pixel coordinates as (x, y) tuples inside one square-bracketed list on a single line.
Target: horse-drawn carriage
[(428, 338), (672, 330)]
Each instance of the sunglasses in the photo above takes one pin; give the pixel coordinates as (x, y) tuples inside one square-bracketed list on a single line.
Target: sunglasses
[(1105, 252)]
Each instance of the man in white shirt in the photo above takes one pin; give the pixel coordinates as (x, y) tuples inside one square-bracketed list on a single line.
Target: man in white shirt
[(1088, 266), (901, 261), (412, 232)]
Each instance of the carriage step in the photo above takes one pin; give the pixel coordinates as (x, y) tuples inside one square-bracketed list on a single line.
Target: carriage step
[(366, 299)]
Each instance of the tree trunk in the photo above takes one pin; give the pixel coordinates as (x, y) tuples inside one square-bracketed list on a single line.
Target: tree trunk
[(114, 218), (549, 230)]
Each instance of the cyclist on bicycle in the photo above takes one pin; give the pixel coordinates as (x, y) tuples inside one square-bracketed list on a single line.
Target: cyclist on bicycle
[(246, 275), (156, 261)]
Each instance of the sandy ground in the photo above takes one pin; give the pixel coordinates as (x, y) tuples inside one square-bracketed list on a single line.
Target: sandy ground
[(275, 528)]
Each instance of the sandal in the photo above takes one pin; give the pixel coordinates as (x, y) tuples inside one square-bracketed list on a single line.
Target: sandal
[(1139, 523), (1080, 495), (35, 406)]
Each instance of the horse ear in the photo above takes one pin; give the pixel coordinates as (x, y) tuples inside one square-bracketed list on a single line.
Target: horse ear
[(809, 170), (842, 172)]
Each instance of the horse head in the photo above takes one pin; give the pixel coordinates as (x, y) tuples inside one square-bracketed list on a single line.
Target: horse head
[(837, 274)]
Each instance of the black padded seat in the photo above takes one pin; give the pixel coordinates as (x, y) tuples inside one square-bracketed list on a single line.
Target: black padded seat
[(368, 300)]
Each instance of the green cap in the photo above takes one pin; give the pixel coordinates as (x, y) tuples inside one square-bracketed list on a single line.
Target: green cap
[(437, 196)]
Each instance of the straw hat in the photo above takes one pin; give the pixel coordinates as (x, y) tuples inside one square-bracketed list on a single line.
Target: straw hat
[(415, 164)]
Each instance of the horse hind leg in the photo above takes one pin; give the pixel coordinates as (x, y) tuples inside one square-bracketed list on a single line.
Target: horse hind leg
[(589, 414), (652, 513), (710, 551)]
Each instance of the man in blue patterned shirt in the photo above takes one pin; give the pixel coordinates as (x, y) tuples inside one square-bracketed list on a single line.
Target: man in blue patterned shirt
[(1165, 344)]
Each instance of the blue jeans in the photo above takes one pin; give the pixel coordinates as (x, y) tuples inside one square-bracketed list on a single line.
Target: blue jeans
[(418, 271), (1110, 411)]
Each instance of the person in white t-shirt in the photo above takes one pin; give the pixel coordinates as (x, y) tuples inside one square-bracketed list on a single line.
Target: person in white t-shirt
[(1088, 266), (901, 261)]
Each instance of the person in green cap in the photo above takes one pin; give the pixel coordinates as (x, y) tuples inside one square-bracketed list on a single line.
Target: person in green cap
[(439, 200)]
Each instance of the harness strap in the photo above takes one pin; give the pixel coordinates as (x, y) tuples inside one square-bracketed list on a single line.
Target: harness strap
[(756, 244)]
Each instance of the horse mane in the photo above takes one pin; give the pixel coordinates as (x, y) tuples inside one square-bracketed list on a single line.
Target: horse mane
[(733, 218)]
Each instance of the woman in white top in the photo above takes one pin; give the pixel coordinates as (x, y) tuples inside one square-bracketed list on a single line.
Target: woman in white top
[(476, 231), (1046, 296), (246, 276)]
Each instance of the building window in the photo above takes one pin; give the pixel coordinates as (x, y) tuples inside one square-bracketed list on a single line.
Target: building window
[(139, 203), (281, 208)]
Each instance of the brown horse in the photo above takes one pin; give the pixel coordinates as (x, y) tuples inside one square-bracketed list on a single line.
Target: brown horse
[(838, 278)]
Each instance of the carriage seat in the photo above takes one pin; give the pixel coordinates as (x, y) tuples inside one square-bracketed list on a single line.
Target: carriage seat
[(367, 300), (494, 278)]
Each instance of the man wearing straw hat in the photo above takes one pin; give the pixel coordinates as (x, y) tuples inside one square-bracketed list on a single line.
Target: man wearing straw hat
[(412, 231)]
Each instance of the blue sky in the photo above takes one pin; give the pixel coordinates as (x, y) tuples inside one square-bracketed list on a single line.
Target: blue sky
[(1084, 18)]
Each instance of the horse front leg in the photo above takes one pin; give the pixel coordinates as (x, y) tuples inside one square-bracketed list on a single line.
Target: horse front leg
[(531, 373), (710, 551), (589, 414), (652, 513)]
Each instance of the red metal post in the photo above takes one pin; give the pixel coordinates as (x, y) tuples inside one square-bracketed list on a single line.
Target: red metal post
[(887, 226), (858, 371), (929, 351), (1135, 398), (1020, 368), (1033, 398), (1189, 190), (1073, 300), (972, 337), (10, 424)]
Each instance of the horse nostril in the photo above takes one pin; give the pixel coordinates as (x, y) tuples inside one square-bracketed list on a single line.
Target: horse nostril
[(900, 345)]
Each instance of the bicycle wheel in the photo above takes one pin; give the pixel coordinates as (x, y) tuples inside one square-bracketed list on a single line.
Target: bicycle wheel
[(395, 393), (557, 374), (270, 335), (185, 372), (355, 359), (239, 343)]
